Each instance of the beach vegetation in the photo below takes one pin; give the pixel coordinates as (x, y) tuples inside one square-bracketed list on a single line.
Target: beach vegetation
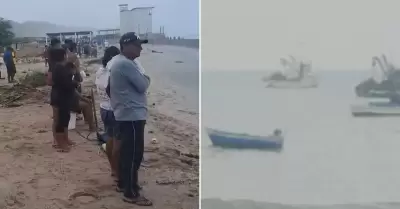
[(6, 34)]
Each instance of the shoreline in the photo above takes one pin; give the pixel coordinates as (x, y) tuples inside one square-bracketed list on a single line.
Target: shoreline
[(36, 176)]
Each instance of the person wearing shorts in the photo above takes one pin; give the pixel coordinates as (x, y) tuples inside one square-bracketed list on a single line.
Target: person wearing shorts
[(63, 89), (106, 112)]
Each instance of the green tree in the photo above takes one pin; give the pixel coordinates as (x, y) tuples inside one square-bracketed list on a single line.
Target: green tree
[(6, 35)]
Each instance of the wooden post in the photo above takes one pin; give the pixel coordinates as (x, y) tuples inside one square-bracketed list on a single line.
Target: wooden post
[(94, 109)]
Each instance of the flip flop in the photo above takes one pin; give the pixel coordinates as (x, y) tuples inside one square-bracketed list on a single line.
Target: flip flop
[(71, 143), (140, 201), (119, 189), (139, 187), (65, 150)]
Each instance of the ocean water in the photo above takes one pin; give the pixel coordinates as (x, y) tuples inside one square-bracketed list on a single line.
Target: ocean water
[(185, 75), (329, 157)]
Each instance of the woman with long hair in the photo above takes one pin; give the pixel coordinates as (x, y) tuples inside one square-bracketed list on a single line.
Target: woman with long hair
[(62, 92), (106, 112)]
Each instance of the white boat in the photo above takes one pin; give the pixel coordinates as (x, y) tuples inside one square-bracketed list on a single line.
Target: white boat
[(306, 82), (376, 109)]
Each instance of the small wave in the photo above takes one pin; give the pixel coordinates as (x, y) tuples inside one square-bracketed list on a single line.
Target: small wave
[(249, 204)]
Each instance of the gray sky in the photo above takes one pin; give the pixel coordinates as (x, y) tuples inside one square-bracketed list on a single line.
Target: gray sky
[(334, 34), (180, 17)]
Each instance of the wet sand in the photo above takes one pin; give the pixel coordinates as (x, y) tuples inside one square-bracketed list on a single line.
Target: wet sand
[(33, 175)]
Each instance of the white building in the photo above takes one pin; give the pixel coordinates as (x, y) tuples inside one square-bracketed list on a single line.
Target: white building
[(139, 19)]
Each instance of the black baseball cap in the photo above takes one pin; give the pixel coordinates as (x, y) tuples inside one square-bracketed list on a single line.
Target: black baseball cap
[(131, 37)]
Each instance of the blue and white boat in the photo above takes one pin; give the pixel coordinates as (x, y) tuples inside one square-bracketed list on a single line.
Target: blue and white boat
[(244, 141)]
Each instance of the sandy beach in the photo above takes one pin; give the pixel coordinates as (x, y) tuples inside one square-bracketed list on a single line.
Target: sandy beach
[(33, 175)]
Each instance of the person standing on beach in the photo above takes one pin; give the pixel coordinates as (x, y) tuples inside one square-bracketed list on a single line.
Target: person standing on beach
[(106, 112), (46, 55), (63, 90), (128, 86), (54, 44), (9, 60)]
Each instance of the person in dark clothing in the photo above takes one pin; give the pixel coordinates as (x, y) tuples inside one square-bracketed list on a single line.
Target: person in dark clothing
[(62, 92), (54, 44), (86, 50), (46, 55)]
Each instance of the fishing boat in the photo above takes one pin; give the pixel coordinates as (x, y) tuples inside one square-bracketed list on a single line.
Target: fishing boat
[(306, 82), (385, 80), (376, 109), (244, 141), (302, 78)]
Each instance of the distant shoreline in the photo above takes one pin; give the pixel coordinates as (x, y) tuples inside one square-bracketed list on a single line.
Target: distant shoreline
[(190, 43), (211, 203)]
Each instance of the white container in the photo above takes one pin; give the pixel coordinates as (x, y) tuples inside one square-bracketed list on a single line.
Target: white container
[(72, 121)]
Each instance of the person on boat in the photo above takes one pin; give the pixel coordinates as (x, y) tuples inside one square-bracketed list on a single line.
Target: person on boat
[(106, 112), (128, 87), (301, 71)]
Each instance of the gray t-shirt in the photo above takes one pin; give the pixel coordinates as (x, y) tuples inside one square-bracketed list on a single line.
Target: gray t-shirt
[(128, 88)]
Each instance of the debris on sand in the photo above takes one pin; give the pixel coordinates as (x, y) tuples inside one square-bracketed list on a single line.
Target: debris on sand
[(154, 51), (29, 60), (12, 96), (34, 79), (93, 61)]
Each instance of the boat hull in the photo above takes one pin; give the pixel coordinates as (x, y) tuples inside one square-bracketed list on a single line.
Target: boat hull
[(307, 82), (241, 141), (377, 109)]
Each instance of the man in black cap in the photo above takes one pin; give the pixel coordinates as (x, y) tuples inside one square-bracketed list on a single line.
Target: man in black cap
[(128, 86)]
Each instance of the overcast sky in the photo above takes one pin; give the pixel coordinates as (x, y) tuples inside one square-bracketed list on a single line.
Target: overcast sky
[(180, 17), (334, 34)]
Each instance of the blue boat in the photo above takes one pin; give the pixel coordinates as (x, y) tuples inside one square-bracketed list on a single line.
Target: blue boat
[(244, 141)]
